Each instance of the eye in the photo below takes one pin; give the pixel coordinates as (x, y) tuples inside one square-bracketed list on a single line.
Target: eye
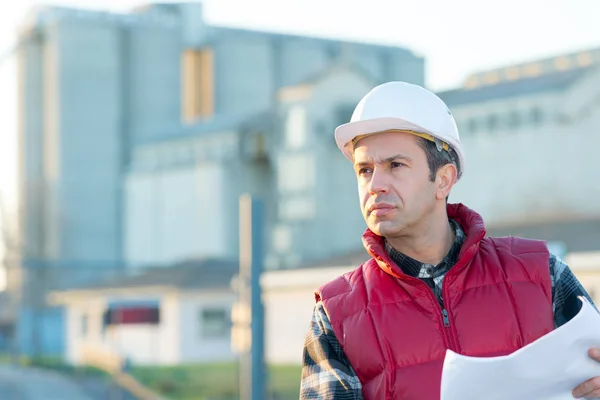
[(396, 164), (364, 171)]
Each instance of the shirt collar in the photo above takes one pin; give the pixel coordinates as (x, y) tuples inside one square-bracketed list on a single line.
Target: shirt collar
[(413, 267)]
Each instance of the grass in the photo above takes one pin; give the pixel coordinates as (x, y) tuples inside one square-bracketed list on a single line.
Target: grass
[(215, 381), (186, 382)]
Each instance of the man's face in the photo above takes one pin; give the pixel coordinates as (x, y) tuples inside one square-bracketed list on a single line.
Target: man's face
[(395, 192)]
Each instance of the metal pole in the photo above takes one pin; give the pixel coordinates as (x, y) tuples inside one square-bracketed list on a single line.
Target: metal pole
[(252, 373)]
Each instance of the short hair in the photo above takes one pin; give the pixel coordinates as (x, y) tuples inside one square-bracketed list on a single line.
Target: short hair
[(438, 158)]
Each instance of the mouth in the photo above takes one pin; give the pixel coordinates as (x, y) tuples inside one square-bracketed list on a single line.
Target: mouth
[(380, 209)]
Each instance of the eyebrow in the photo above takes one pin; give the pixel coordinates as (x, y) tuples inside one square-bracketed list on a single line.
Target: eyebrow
[(384, 160)]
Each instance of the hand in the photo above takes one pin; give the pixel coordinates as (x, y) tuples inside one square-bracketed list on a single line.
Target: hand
[(589, 389)]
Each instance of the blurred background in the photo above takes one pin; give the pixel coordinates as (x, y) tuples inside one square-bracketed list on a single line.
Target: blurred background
[(129, 131)]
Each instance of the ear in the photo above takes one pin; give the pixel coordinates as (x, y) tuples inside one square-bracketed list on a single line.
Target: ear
[(445, 180)]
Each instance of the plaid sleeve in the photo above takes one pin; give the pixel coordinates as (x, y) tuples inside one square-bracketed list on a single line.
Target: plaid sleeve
[(326, 372), (565, 290)]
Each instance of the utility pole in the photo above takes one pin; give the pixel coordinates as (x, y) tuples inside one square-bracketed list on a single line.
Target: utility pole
[(248, 313)]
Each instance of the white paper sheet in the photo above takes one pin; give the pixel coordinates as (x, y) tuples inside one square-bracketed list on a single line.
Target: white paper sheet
[(547, 369)]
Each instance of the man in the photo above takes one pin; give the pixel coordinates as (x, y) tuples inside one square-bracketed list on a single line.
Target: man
[(435, 281)]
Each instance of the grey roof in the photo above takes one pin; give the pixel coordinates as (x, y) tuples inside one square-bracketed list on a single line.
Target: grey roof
[(45, 14), (229, 30), (195, 274), (543, 83)]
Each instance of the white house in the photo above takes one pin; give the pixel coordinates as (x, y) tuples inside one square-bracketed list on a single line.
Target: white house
[(162, 316)]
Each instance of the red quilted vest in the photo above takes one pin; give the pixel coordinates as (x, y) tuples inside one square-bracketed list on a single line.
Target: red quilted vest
[(497, 299)]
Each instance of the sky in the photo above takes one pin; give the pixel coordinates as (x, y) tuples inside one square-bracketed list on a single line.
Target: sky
[(456, 37)]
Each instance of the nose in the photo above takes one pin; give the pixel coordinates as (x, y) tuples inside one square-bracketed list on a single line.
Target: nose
[(379, 182)]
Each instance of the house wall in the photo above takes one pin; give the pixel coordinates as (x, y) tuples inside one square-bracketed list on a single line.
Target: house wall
[(289, 302), (194, 346)]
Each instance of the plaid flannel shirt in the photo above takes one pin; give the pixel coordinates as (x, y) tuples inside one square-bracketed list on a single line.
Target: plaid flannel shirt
[(326, 372)]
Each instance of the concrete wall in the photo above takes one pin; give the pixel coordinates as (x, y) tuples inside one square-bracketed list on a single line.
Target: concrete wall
[(152, 81), (244, 73), (72, 167), (94, 83), (31, 145), (531, 173), (182, 199), (251, 66), (174, 215), (84, 141)]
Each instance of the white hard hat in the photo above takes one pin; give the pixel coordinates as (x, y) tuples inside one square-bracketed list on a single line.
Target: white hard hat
[(401, 106)]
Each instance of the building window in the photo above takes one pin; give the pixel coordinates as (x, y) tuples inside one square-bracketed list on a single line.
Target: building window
[(84, 325), (215, 323), (512, 73), (197, 84), (584, 59), (472, 82), (296, 173), (491, 78), (132, 315), (532, 70), (295, 130), (562, 63), (300, 207)]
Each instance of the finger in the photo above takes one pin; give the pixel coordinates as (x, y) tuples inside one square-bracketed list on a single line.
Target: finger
[(587, 388), (593, 395), (594, 353)]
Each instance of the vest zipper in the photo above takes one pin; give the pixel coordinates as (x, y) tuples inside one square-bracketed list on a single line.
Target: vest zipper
[(446, 319), (448, 330), (448, 335), (452, 344)]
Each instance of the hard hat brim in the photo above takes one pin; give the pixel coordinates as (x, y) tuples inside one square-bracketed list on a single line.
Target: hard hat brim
[(346, 133)]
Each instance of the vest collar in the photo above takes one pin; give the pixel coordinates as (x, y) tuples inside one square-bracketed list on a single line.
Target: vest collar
[(470, 221)]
